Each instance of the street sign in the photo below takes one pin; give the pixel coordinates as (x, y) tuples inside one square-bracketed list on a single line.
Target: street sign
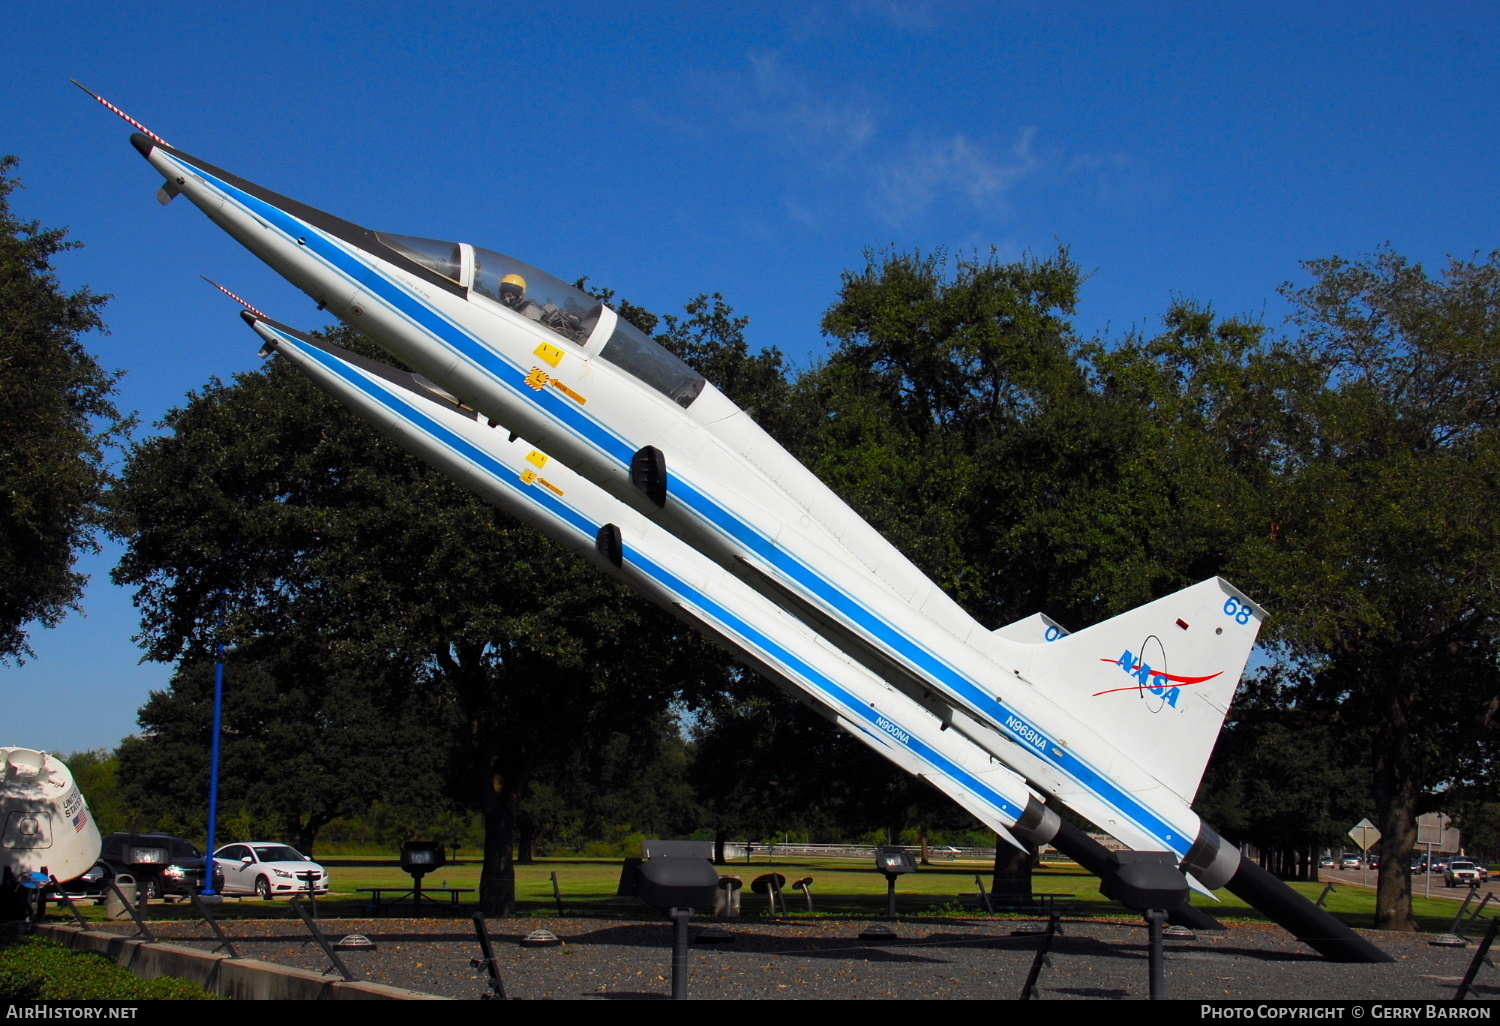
[(1365, 834), (1436, 829)]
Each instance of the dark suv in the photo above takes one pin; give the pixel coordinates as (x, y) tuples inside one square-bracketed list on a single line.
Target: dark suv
[(160, 863)]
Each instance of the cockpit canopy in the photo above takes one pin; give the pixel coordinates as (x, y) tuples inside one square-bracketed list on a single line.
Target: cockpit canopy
[(444, 258), (563, 309), (535, 294), (630, 350)]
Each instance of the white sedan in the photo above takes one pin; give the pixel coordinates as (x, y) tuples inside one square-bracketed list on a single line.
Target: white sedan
[(266, 869)]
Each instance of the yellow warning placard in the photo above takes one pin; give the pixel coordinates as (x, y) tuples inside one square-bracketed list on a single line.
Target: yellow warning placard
[(549, 353), (565, 390), (538, 458)]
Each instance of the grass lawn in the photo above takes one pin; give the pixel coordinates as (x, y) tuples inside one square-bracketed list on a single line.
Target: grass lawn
[(840, 887)]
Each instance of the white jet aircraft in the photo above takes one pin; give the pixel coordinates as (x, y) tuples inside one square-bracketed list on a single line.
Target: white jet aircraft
[(1116, 721)]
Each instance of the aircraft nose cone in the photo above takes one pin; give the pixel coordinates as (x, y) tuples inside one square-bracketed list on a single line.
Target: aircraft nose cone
[(143, 144)]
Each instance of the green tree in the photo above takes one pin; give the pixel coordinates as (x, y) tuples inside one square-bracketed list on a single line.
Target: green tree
[(305, 741), (97, 774), (764, 764), (1287, 779), (1383, 564), (1025, 469), (629, 786), (270, 493), (1480, 823), (937, 364), (57, 420), (1157, 478)]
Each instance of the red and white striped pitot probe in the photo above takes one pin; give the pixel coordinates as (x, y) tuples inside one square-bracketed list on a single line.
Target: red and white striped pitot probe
[(140, 127)]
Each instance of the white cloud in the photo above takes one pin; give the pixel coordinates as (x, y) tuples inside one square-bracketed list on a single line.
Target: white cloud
[(841, 150), (1117, 180), (934, 169), (791, 112)]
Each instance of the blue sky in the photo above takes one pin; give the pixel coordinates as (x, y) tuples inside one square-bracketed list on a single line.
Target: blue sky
[(667, 149)]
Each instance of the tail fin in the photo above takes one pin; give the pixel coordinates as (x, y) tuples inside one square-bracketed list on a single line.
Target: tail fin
[(1158, 680)]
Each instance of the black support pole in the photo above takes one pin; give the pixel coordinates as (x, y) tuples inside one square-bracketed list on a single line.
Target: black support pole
[(1156, 920), (680, 919)]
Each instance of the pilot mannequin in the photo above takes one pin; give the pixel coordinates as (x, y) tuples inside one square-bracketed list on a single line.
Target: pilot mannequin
[(512, 290), (513, 295)]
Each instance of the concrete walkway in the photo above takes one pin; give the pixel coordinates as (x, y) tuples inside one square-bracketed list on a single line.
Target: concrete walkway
[(826, 959)]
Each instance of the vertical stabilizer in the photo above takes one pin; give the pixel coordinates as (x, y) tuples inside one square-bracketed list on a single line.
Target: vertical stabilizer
[(1157, 681)]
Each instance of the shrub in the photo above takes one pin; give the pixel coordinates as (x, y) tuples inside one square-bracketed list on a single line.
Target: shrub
[(33, 969)]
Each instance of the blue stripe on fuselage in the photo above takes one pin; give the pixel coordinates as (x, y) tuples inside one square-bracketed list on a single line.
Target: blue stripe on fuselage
[(721, 520), (757, 642)]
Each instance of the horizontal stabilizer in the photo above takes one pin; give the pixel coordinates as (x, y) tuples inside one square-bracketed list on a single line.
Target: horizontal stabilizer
[(1035, 628)]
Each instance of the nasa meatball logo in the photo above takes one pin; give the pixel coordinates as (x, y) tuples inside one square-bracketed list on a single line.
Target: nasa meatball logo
[(1153, 684)]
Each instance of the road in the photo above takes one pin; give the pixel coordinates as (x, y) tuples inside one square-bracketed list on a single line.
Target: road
[(1366, 877)]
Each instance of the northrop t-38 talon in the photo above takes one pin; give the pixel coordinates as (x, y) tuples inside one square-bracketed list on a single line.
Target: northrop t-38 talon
[(1116, 721)]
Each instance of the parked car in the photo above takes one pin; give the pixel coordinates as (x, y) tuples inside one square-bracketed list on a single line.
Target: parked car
[(162, 864), (268, 868), (1461, 871), (88, 887)]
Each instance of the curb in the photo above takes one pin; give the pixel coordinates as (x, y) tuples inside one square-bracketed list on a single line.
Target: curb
[(244, 979)]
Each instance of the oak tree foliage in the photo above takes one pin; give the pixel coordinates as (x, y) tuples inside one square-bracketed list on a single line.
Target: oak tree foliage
[(1383, 569), (270, 509), (1342, 473), (57, 422)]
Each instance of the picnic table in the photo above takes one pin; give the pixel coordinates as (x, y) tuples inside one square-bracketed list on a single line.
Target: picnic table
[(1045, 904), (380, 905)]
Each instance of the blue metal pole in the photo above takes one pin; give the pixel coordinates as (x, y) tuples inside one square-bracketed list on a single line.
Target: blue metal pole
[(213, 773)]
